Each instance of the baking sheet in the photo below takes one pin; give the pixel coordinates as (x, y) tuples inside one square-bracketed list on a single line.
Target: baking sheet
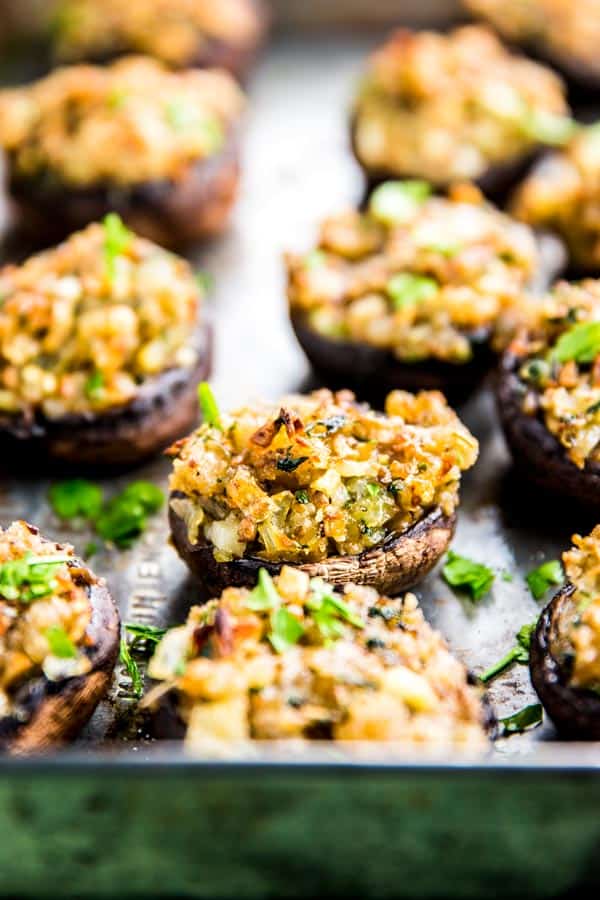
[(298, 169)]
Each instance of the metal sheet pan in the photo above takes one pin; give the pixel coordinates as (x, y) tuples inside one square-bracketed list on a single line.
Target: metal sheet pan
[(504, 816)]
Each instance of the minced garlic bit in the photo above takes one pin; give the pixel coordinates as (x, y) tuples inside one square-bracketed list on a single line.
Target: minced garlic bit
[(569, 30), (561, 368), (295, 659), (44, 611), (421, 276), (83, 325), (175, 31), (127, 123), (447, 106), (582, 566), (318, 475), (563, 194)]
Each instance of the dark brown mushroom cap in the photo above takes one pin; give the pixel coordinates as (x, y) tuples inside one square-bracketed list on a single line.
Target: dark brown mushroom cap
[(574, 711), (372, 372), (396, 564), (53, 712), (536, 453), (172, 212), (165, 408)]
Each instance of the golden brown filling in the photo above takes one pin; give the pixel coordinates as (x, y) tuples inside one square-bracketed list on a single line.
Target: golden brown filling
[(44, 611), (582, 567), (570, 30), (421, 276), (563, 194), (83, 325), (318, 475), (295, 659), (561, 368), (127, 123), (447, 106), (175, 31)]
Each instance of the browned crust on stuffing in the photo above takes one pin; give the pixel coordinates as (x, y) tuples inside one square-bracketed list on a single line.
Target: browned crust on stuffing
[(172, 213), (165, 408), (56, 711), (536, 453), (396, 564), (574, 711)]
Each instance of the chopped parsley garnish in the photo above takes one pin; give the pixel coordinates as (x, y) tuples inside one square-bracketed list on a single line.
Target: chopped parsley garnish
[(76, 497), (472, 577), (117, 239), (149, 633), (208, 405), (373, 489), (405, 288), (517, 654), (290, 463), (30, 577), (395, 202), (94, 385), (125, 517), (131, 668), (540, 579), (330, 611), (580, 343), (536, 370), (286, 630), (301, 496), (60, 643), (264, 595), (593, 409), (526, 718)]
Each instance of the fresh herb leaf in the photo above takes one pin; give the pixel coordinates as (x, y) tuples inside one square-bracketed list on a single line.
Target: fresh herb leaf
[(117, 239), (286, 630), (60, 643), (472, 577), (517, 654), (290, 463), (301, 496), (395, 202), (526, 718), (76, 497), (446, 248), (264, 596), (208, 405), (330, 611), (373, 488), (580, 343), (406, 288), (124, 517), (29, 578), (131, 668), (540, 579), (149, 633), (94, 385)]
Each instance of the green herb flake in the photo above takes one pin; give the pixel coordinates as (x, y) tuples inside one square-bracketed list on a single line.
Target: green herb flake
[(472, 577), (580, 343), (395, 202), (406, 288), (290, 463), (526, 718), (125, 517), (540, 579), (373, 489), (60, 643), (264, 596), (76, 497), (517, 654), (94, 385), (208, 405), (117, 239), (301, 496), (131, 668), (286, 630), (149, 633), (30, 577), (593, 409), (330, 611)]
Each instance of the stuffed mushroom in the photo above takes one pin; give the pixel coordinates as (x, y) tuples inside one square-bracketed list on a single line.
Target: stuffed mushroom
[(454, 106), (158, 147), (181, 33), (324, 483), (294, 658), (565, 649), (416, 292), (59, 638), (549, 394), (562, 194), (564, 33), (102, 342)]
